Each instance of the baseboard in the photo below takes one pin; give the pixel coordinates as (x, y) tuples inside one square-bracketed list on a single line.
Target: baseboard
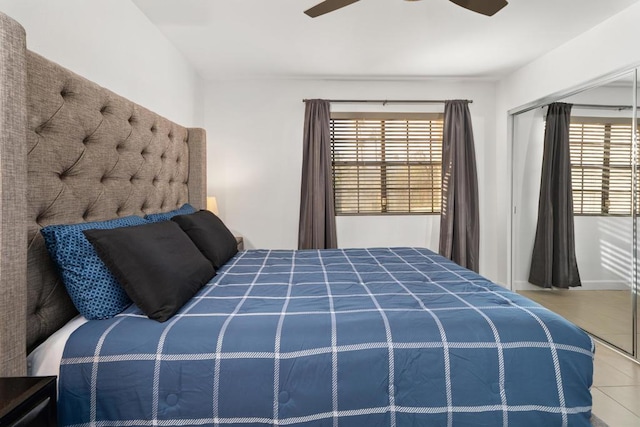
[(587, 285)]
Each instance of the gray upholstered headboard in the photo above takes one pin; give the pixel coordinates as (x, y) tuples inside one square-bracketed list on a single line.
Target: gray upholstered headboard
[(72, 151)]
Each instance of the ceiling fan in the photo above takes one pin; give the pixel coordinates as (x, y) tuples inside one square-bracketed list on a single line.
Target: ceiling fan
[(485, 7)]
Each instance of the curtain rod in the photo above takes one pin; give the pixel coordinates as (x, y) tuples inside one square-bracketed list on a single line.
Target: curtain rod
[(600, 106), (386, 101), (604, 107)]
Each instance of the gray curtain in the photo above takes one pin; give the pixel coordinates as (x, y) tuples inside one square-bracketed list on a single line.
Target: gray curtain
[(553, 262), (317, 228), (459, 219)]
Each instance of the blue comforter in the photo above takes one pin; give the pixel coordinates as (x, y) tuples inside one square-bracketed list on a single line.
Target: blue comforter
[(360, 337)]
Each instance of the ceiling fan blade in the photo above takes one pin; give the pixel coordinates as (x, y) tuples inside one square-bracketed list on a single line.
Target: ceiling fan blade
[(328, 6), (485, 7)]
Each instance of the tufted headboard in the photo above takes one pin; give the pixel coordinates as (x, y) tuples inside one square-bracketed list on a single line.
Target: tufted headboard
[(72, 151)]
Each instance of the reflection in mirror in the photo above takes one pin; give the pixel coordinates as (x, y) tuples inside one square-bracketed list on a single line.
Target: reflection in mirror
[(600, 140)]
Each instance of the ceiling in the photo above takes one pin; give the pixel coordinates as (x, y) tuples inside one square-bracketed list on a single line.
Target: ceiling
[(371, 39)]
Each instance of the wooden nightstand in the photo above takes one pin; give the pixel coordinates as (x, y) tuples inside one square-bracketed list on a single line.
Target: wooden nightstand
[(240, 241), (28, 401)]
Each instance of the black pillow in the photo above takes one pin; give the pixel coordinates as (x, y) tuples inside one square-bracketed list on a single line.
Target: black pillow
[(157, 264), (210, 235)]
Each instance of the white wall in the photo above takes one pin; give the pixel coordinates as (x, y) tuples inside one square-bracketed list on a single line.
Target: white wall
[(608, 47), (115, 45), (255, 159)]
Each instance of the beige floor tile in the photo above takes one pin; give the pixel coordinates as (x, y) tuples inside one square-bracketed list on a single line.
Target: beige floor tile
[(612, 412), (619, 362), (627, 396), (607, 375)]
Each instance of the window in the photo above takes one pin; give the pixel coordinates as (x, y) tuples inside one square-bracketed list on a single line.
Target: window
[(601, 165), (386, 163)]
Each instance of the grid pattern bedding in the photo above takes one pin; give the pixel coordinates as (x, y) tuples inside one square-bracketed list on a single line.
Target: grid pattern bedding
[(359, 337)]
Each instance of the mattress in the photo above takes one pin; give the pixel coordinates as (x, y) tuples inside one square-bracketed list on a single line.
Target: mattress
[(359, 337), (45, 359)]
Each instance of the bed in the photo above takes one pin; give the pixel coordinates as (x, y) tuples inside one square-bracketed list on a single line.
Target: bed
[(346, 337)]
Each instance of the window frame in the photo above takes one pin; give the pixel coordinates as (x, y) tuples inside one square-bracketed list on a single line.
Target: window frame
[(605, 190)]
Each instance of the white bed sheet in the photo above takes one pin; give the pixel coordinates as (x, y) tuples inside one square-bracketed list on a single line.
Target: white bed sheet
[(45, 359)]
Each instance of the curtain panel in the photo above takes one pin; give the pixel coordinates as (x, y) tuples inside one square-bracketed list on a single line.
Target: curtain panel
[(553, 262), (317, 228), (459, 219)]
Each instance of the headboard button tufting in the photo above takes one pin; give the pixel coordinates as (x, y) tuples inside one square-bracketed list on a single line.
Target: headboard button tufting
[(103, 109), (86, 139), (38, 310)]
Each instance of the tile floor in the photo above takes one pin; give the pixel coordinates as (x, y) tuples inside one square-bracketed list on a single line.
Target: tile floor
[(616, 388)]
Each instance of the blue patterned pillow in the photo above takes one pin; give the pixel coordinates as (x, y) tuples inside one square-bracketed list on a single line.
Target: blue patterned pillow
[(93, 289), (166, 216)]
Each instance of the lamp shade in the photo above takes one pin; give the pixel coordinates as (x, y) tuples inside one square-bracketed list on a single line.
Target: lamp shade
[(212, 205)]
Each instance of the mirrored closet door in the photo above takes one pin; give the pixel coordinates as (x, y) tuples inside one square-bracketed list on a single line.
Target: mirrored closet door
[(603, 190)]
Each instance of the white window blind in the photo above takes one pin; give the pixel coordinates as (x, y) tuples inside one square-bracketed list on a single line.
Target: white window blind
[(386, 163), (601, 165)]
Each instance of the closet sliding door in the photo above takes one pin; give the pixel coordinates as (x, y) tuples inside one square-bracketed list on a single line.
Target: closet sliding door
[(604, 185)]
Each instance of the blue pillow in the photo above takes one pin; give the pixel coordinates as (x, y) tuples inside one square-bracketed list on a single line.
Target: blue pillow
[(166, 216), (94, 291)]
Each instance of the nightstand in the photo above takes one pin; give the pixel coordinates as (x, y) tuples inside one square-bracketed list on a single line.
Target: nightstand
[(28, 401), (240, 242)]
